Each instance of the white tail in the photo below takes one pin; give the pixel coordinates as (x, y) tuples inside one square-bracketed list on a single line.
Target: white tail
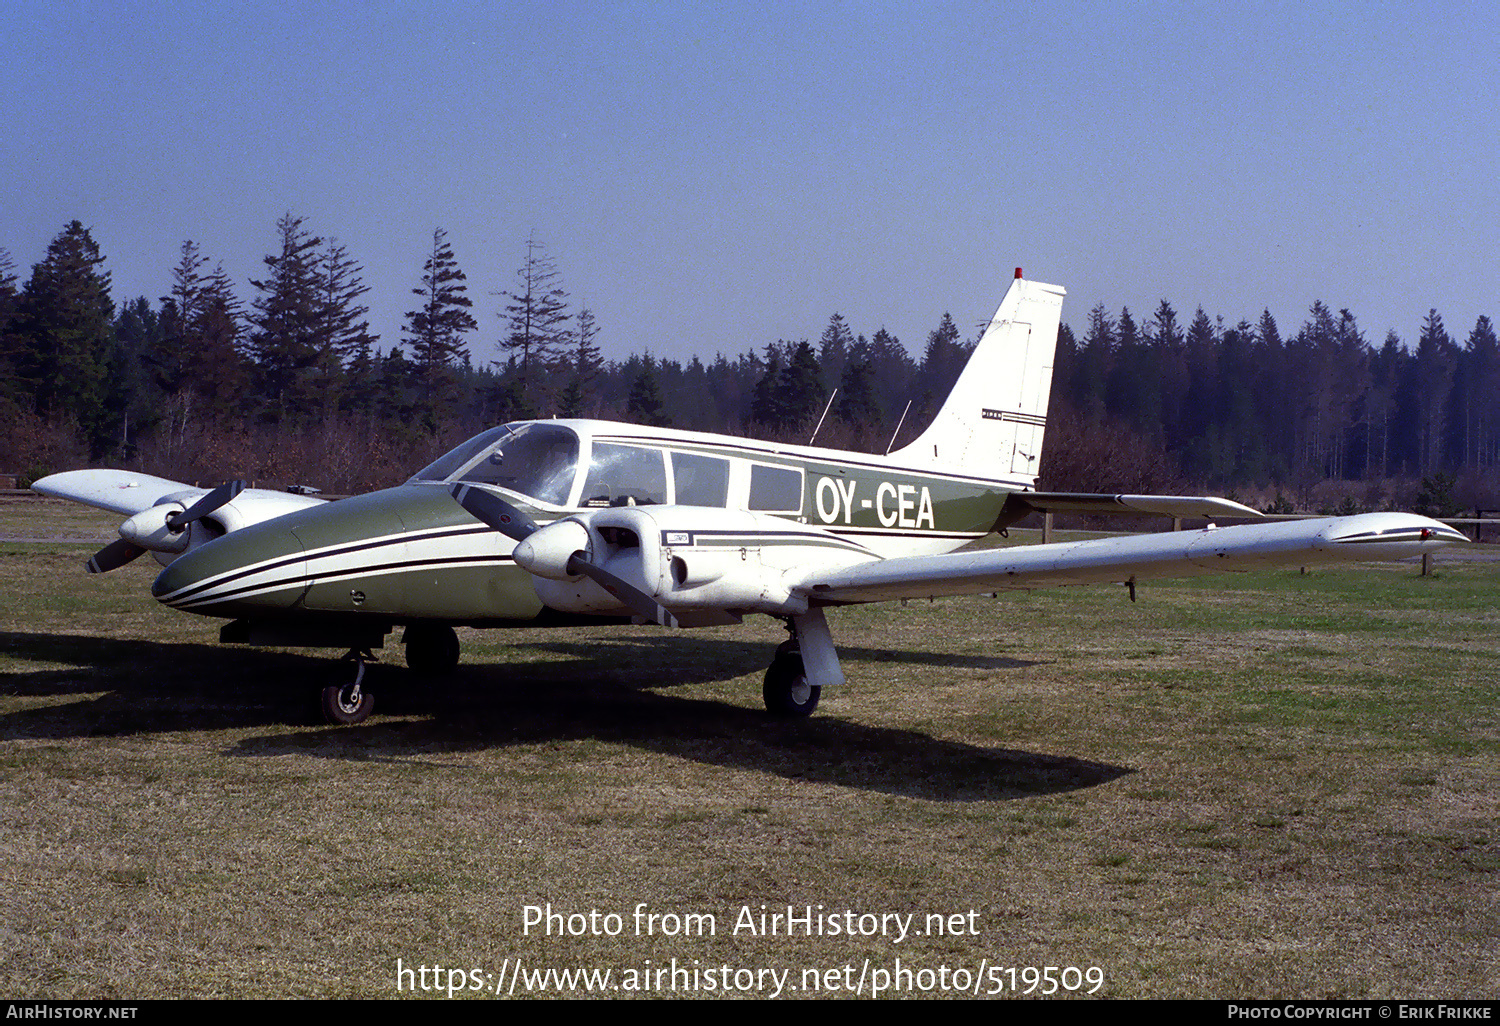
[(993, 420)]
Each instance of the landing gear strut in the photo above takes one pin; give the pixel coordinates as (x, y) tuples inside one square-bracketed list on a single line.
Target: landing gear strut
[(351, 703), (787, 691)]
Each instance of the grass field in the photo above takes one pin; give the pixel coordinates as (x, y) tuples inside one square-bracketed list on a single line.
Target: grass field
[(1277, 785)]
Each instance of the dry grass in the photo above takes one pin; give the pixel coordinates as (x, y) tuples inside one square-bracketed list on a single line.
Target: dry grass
[(1268, 786)]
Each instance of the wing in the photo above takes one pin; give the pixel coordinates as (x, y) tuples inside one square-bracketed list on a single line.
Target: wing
[(1369, 536), (119, 491), (166, 517)]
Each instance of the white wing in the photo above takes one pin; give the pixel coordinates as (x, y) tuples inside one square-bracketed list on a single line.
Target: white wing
[(119, 491), (1369, 536), (150, 503), (129, 493)]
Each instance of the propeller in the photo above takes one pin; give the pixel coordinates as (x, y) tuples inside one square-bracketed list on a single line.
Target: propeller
[(114, 555), (489, 508), (640, 603), (145, 526), (204, 506)]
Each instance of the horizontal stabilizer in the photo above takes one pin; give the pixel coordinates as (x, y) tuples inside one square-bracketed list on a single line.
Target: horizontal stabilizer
[(1369, 536), (1020, 504)]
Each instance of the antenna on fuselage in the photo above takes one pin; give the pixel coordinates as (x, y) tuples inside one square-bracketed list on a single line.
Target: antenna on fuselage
[(826, 407), (896, 432)]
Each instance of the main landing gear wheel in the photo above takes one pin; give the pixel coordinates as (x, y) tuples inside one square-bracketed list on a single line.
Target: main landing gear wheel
[(431, 648), (348, 704), (786, 691)]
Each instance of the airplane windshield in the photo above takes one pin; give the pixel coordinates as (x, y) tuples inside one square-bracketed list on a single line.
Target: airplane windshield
[(537, 460)]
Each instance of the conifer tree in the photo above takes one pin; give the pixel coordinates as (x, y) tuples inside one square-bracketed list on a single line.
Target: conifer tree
[(436, 331), (943, 359), (536, 318), (857, 404), (134, 402), (893, 374), (833, 349), (645, 403), (1167, 371), (583, 365), (767, 408), (801, 387), (1095, 357), (10, 295), (346, 328), (218, 368), (290, 329), (1478, 392), (1436, 358), (196, 359), (9, 283), (169, 360), (62, 334)]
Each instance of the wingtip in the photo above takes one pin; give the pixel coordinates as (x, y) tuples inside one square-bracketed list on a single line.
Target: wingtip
[(1393, 535)]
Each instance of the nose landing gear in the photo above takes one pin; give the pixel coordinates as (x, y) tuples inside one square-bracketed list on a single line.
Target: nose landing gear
[(348, 704)]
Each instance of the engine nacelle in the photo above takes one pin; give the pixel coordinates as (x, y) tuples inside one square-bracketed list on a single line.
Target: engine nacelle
[(706, 564), (148, 528)]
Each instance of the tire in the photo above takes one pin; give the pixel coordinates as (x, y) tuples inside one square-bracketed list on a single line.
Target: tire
[(431, 648), (786, 691), (347, 704)]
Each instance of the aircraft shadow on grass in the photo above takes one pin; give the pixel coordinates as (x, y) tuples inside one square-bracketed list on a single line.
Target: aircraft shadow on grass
[(608, 689)]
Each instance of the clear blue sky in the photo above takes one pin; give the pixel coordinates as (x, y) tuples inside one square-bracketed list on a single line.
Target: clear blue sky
[(710, 177)]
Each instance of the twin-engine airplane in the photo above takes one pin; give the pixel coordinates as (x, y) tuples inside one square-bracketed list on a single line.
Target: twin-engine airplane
[(570, 522)]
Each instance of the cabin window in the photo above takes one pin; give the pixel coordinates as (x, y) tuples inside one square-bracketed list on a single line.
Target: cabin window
[(775, 489), (700, 480), (622, 474)]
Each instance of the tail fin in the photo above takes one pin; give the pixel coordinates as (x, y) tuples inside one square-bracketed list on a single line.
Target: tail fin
[(993, 420)]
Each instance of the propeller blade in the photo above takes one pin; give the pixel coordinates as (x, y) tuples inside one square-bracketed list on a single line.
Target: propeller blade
[(489, 508), (643, 605), (204, 506), (115, 554)]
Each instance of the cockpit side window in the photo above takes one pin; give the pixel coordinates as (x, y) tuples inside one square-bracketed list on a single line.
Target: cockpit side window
[(454, 460), (621, 474), (540, 460), (535, 460)]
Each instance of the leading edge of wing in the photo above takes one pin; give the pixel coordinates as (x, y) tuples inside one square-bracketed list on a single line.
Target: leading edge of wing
[(119, 491), (1368, 536)]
